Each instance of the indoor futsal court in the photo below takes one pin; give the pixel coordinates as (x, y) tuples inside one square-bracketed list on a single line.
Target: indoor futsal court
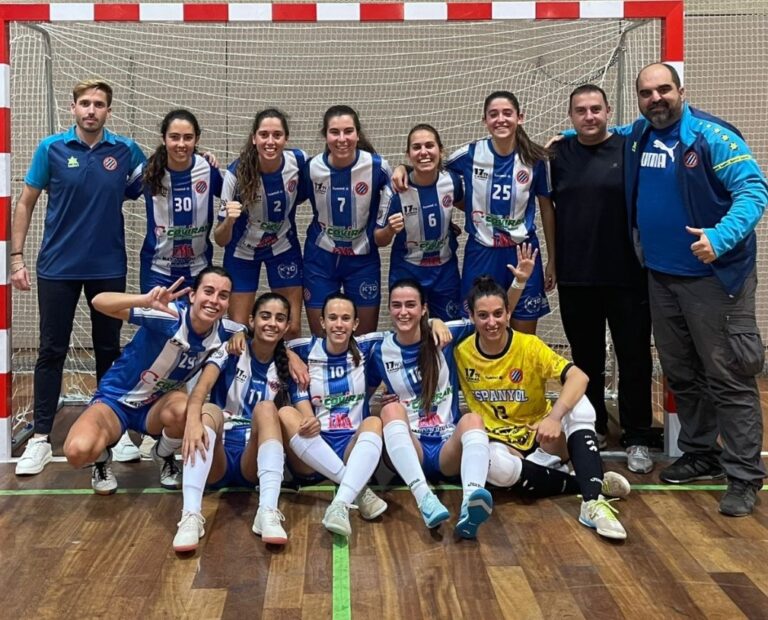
[(69, 553)]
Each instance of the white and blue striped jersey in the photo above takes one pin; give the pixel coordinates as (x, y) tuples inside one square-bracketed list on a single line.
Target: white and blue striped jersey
[(164, 354), (427, 238), (500, 193), (337, 388), (345, 203), (267, 227), (244, 381), (397, 366), (179, 220)]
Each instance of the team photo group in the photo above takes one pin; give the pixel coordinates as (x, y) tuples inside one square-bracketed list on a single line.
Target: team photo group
[(648, 228)]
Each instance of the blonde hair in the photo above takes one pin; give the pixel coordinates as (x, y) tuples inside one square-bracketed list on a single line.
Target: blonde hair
[(85, 85)]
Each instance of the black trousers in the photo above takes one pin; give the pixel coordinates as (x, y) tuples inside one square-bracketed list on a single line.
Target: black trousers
[(57, 300), (584, 311)]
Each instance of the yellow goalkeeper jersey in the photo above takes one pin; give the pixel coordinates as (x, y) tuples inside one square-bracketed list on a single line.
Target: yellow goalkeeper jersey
[(508, 389)]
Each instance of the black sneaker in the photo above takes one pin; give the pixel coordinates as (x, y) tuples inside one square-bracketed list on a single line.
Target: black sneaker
[(691, 467), (740, 498)]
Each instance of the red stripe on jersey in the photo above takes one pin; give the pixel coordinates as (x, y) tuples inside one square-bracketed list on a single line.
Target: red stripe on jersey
[(557, 10), (206, 12), (394, 12), (282, 12), (470, 11), (116, 12)]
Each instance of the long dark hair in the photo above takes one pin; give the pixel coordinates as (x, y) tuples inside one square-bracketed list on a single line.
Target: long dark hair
[(280, 355), (353, 348), (344, 110), (530, 153), (248, 173), (219, 271), (154, 171), (429, 360), (485, 286)]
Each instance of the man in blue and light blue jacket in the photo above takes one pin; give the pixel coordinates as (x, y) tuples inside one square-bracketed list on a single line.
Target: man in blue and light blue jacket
[(695, 194)]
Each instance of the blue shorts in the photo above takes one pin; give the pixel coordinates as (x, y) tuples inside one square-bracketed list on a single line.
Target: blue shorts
[(149, 279), (441, 286), (338, 440), (233, 476), (131, 418), (283, 271), (480, 260), (326, 273)]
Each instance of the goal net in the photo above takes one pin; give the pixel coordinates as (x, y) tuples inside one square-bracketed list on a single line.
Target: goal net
[(394, 74)]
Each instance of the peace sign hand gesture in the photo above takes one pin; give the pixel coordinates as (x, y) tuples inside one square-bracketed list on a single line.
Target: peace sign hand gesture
[(160, 297)]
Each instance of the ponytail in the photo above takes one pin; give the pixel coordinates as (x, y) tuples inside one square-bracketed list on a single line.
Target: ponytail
[(429, 365), (282, 397), (154, 171)]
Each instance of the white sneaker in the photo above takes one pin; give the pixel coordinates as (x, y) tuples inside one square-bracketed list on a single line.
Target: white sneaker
[(190, 532), (601, 516), (370, 504), (37, 455), (125, 451), (336, 518), (267, 525), (145, 449), (103, 481), (615, 485), (639, 459), (170, 473)]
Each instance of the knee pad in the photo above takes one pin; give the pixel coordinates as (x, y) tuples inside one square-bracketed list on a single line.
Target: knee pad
[(505, 467), (580, 418)]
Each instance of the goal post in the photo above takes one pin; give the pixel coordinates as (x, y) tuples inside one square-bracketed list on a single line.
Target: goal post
[(469, 38)]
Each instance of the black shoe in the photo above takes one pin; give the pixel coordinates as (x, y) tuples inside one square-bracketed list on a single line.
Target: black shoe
[(691, 467), (740, 498)]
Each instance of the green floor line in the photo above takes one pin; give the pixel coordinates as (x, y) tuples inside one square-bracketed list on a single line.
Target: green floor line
[(342, 601), (331, 489)]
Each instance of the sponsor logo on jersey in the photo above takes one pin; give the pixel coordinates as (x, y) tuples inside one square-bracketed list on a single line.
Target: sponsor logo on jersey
[(516, 375), (522, 177), (361, 188), (321, 188), (472, 375), (287, 270), (343, 251), (201, 187), (369, 289), (497, 221), (275, 386), (240, 375), (343, 232), (109, 163), (533, 303), (271, 227), (340, 401), (447, 201), (292, 186), (452, 309), (393, 366), (690, 159), (500, 396), (479, 173), (177, 343), (72, 162), (186, 232), (339, 420), (409, 210), (184, 251)]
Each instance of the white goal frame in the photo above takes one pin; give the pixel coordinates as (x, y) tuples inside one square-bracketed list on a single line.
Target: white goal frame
[(669, 12)]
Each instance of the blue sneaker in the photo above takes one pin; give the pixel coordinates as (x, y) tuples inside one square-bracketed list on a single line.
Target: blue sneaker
[(432, 510), (474, 511)]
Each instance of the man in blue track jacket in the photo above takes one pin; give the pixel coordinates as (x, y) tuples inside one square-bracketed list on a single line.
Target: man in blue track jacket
[(695, 194)]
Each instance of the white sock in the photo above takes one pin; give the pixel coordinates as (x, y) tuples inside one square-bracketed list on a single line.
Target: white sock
[(475, 458), (506, 468), (168, 445), (318, 455), (195, 476), (270, 461), (361, 464), (404, 457)]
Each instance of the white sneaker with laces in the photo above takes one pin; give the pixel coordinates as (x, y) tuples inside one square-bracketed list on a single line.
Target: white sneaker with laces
[(601, 516), (125, 451), (336, 518), (370, 505), (190, 532), (103, 481), (615, 485), (37, 455), (267, 525), (639, 459), (170, 473)]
